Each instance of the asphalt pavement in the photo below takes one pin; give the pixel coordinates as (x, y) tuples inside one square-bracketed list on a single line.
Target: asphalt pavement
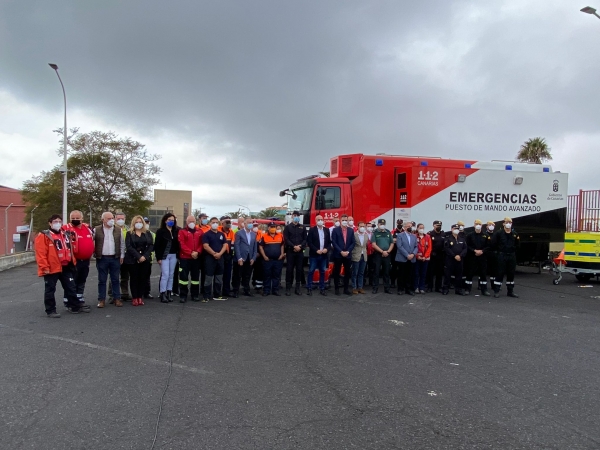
[(363, 372)]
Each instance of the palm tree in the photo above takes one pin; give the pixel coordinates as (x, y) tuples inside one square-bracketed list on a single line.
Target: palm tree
[(534, 150), (268, 213), (235, 214)]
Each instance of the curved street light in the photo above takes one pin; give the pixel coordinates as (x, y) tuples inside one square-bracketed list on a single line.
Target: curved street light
[(63, 169), (590, 10)]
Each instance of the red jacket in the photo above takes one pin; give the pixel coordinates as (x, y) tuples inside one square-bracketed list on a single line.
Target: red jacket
[(46, 254), (82, 240), (189, 242), (424, 246)]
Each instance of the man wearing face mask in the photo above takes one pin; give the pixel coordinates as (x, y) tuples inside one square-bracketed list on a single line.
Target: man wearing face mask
[(492, 255), (109, 249), (406, 259), (343, 243), (506, 242), (318, 241), (56, 262), (203, 222), (82, 244), (215, 246), (383, 244), (225, 228), (271, 248), (124, 272), (456, 251), (190, 252), (294, 236), (395, 268), (245, 251), (236, 276), (435, 268), (476, 262), (258, 274)]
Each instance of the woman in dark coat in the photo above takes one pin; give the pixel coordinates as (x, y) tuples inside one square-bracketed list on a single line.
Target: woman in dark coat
[(166, 248), (139, 246)]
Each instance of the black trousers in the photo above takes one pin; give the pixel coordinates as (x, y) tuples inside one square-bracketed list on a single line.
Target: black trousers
[(138, 278), (476, 266), (67, 281), (507, 264), (148, 286), (406, 275), (492, 266), (272, 271), (381, 264), (294, 265), (236, 275), (435, 272), (244, 273), (189, 272), (337, 268), (82, 271), (213, 282), (176, 278), (453, 273), (227, 270), (258, 274)]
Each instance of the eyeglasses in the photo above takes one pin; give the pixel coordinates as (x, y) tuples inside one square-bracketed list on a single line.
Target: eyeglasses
[(228, 222)]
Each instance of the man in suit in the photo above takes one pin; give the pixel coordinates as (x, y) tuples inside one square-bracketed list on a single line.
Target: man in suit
[(319, 243), (245, 250), (343, 243), (406, 257)]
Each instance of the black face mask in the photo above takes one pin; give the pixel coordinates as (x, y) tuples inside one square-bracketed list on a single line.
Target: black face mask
[(75, 222), (409, 230), (437, 228)]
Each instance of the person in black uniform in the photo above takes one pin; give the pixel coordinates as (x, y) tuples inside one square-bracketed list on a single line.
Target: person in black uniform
[(435, 269), (506, 242), (294, 236), (456, 250), (478, 243), (492, 256)]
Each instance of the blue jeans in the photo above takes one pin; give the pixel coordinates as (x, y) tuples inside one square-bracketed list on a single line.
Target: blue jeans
[(358, 273), (106, 266), (167, 270), (421, 275), (318, 262)]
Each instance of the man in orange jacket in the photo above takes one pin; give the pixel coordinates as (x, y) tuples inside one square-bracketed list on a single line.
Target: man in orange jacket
[(56, 262)]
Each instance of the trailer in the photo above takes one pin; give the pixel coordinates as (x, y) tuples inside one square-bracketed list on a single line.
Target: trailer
[(581, 253), (424, 189)]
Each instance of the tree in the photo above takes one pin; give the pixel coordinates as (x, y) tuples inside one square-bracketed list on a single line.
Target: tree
[(325, 174), (196, 212), (106, 173), (270, 212), (534, 150), (236, 214)]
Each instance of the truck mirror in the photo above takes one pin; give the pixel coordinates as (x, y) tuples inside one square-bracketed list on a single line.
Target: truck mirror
[(281, 193), (294, 196)]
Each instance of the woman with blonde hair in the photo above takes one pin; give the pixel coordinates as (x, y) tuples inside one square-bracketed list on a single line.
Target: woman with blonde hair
[(139, 246)]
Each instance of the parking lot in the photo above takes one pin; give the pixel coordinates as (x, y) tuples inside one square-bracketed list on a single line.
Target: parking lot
[(364, 372)]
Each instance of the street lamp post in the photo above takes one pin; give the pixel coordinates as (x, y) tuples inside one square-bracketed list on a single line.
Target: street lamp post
[(590, 10), (244, 206), (30, 228), (64, 166)]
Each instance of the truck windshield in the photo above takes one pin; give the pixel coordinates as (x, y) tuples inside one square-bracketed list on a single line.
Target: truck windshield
[(303, 200)]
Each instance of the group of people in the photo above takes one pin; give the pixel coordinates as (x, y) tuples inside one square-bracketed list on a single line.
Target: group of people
[(209, 260)]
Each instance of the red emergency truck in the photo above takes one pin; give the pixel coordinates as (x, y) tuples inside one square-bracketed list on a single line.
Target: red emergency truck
[(424, 189)]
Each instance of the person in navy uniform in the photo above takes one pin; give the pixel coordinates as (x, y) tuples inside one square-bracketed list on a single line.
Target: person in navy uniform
[(506, 242), (456, 250), (478, 243), (342, 239)]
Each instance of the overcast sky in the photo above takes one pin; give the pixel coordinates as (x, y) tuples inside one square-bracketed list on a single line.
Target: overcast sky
[(243, 97)]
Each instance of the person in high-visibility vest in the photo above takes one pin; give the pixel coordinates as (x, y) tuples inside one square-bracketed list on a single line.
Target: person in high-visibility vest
[(271, 248)]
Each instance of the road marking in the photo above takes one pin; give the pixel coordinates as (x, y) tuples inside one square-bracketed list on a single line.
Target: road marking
[(432, 393), (110, 350), (398, 323)]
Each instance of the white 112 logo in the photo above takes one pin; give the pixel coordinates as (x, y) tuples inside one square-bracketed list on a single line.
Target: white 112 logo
[(428, 176)]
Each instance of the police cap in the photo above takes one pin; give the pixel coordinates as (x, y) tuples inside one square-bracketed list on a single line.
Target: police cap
[(296, 213), (455, 226), (146, 220), (272, 224), (437, 222), (381, 221)]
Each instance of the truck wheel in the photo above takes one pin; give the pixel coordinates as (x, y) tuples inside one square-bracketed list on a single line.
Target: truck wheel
[(555, 281), (583, 277)]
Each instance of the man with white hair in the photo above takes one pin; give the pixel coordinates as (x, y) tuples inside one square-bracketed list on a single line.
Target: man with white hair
[(109, 248)]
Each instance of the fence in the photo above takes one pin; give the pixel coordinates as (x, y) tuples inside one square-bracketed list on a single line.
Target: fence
[(583, 211)]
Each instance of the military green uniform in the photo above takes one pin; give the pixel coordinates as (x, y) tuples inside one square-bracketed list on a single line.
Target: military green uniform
[(383, 239)]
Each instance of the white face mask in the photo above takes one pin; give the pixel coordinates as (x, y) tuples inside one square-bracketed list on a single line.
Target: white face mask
[(278, 231), (508, 225), (461, 228), (337, 224), (191, 225), (255, 229), (147, 226), (351, 223), (56, 226), (111, 223), (320, 223), (139, 226), (345, 223), (421, 230), (491, 227), (455, 232), (361, 230), (382, 227), (478, 227), (120, 222), (214, 226)]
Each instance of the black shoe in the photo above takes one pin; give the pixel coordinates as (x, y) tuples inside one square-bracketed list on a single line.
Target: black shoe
[(163, 297), (485, 293), (374, 291), (428, 290), (236, 294), (84, 308), (467, 292), (276, 294), (308, 291), (337, 291), (265, 294), (183, 299), (400, 293), (195, 299), (53, 315), (168, 296), (512, 294), (297, 291), (73, 311), (445, 291), (439, 290), (387, 290), (288, 292), (451, 286), (496, 294), (409, 292), (347, 292), (148, 296), (323, 293), (459, 292), (248, 294)]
